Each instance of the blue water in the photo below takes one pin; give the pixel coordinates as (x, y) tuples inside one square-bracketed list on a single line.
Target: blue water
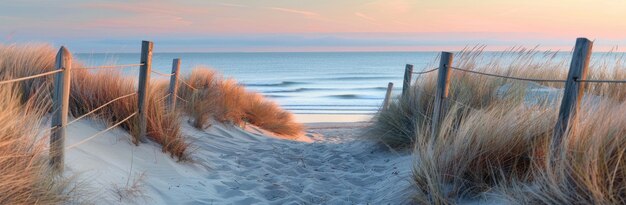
[(341, 82), (319, 82)]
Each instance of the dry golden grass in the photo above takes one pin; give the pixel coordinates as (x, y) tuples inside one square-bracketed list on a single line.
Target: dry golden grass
[(398, 126), (26, 60), (485, 149), (91, 90), (25, 177), (269, 116), (498, 145), (504, 151), (226, 101), (590, 168)]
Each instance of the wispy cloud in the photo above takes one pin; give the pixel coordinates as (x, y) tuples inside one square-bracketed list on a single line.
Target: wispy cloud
[(145, 9), (294, 11), (390, 6), (363, 16), (366, 17), (231, 5), (135, 15)]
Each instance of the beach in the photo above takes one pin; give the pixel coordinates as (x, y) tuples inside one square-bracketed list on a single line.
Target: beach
[(330, 164), (388, 102)]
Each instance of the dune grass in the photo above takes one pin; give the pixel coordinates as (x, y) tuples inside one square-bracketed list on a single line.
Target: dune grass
[(495, 138), (91, 90), (25, 177), (218, 98), (213, 97)]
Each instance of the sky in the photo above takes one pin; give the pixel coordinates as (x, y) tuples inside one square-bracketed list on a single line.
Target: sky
[(313, 25)]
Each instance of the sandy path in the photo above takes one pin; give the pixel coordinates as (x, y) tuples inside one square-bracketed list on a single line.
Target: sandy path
[(236, 166), (337, 168)]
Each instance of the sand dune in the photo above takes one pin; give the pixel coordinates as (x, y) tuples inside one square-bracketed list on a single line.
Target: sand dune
[(231, 165)]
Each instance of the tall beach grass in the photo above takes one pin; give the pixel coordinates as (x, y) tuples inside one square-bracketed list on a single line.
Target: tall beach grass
[(494, 139), (25, 177), (213, 97)]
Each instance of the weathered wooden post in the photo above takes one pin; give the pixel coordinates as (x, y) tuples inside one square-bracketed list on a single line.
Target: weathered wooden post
[(408, 74), (144, 80), (443, 85), (60, 105), (574, 91), (388, 96), (171, 99)]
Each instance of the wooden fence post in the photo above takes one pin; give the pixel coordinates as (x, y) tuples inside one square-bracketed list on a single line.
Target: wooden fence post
[(144, 80), (388, 96), (60, 105), (408, 74), (443, 85), (171, 99), (574, 91)]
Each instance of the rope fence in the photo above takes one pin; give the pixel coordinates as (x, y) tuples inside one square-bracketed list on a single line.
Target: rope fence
[(99, 108), (601, 81), (569, 102), (509, 77), (110, 66), (30, 77), (101, 132), (180, 98), (187, 84), (163, 74), (61, 94), (424, 72), (164, 97)]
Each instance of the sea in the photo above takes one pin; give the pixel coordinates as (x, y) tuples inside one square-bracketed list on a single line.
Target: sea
[(317, 82), (302, 82)]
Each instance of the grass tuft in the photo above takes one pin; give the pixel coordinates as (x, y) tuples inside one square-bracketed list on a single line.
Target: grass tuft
[(26, 177), (213, 97), (494, 139)]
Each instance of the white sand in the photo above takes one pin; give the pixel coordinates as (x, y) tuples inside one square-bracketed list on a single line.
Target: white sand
[(317, 118), (236, 166)]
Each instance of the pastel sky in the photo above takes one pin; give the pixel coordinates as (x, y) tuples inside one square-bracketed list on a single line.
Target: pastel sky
[(312, 25)]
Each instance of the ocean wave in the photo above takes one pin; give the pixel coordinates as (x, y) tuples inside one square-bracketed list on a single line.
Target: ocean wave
[(372, 88), (359, 78), (297, 90), (324, 105), (276, 96), (351, 96), (274, 84)]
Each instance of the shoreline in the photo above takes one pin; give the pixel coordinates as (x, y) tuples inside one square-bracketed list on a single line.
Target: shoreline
[(332, 118)]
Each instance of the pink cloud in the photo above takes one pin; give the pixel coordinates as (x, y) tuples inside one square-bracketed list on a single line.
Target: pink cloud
[(136, 16), (363, 16), (132, 8), (389, 6), (294, 11), (231, 5)]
